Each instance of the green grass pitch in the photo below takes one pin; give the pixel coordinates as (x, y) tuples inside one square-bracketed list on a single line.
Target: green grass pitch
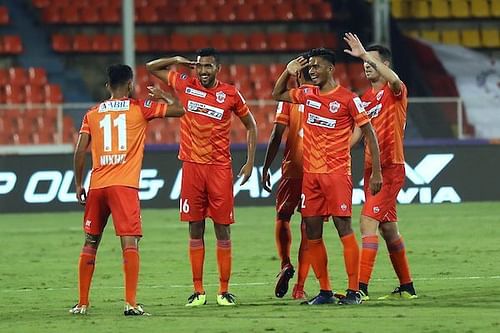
[(454, 254)]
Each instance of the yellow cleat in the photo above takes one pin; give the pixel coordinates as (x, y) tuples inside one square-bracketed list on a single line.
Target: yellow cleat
[(197, 299), (398, 293), (226, 299)]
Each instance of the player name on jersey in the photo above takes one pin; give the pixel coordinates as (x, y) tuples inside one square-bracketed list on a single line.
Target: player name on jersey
[(112, 159)]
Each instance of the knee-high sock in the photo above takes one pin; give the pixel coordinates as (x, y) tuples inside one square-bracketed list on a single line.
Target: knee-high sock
[(197, 258), (368, 255), (131, 270), (319, 262), (283, 240), (304, 261), (224, 264), (351, 260), (397, 253), (86, 265)]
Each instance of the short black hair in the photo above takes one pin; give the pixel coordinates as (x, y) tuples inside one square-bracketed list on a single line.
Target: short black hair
[(118, 75), (323, 53), (305, 71), (384, 52), (209, 52)]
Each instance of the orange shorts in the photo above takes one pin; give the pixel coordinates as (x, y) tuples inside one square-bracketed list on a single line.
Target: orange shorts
[(288, 196), (206, 191), (122, 202), (326, 194), (382, 206)]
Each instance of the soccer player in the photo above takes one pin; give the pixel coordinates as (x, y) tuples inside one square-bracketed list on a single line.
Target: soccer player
[(386, 103), (115, 130), (207, 182), (330, 113), (289, 189)]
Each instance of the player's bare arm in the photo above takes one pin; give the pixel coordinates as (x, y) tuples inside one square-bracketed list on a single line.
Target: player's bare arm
[(356, 137), (251, 126), (175, 108), (357, 50), (372, 143), (280, 91), (160, 67), (272, 150), (79, 165)]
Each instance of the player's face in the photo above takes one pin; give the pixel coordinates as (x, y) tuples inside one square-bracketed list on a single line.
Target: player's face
[(207, 69), (320, 70), (371, 74)]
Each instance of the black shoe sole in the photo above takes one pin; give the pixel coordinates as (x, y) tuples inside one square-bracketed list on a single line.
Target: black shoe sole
[(282, 284)]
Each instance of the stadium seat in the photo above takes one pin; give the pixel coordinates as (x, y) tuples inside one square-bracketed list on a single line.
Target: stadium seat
[(4, 77), (4, 15), (277, 42), (70, 15), (116, 43), (322, 11), (179, 43), (41, 3), (276, 69), (430, 35), (101, 43), (90, 15), (205, 15), (159, 43), (186, 14), (220, 41), (53, 94), (264, 12), (82, 43), (440, 9), (199, 41), (37, 76), (110, 14), (480, 8), (34, 94), (18, 76), (142, 43), (412, 33), (495, 8), (258, 42), (225, 13), (302, 11), (61, 43), (12, 44), (296, 41), (471, 38), (450, 37), (459, 8), (244, 13), (238, 42), (399, 9), (420, 9), (51, 15), (148, 15), (490, 37), (14, 94)]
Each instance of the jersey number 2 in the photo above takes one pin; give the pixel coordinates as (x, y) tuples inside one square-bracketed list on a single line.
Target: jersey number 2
[(121, 123)]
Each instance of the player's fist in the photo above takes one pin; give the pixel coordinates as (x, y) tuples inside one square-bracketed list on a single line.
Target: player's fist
[(375, 182), (81, 195), (266, 180), (246, 172), (296, 65)]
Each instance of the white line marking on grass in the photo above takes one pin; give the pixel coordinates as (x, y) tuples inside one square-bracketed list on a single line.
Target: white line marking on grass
[(492, 277)]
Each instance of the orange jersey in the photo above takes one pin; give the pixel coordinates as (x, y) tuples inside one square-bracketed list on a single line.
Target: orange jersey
[(117, 129), (329, 119), (290, 115), (388, 116), (205, 128)]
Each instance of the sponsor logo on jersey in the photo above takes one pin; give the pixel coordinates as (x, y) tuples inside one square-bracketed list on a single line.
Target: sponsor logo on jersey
[(374, 111), (379, 95), (114, 105), (334, 106), (195, 92), (313, 104), (359, 104), (319, 121), (183, 76), (148, 103), (205, 110), (220, 97)]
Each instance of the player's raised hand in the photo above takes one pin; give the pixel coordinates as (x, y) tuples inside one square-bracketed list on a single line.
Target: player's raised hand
[(375, 182), (81, 195), (357, 49), (266, 180), (186, 62), (246, 172), (157, 93), (296, 65)]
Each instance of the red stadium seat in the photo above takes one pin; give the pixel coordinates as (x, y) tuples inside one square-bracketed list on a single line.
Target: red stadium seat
[(53, 94), (276, 70), (186, 14), (110, 14), (284, 11), (4, 77), (82, 43), (70, 15), (264, 12), (142, 43), (51, 15), (238, 42), (159, 43), (148, 14), (226, 13), (239, 72), (18, 76), (12, 44), (61, 43), (180, 43), (259, 72), (205, 15), (90, 15), (14, 94), (245, 13), (101, 43), (41, 3), (4, 15), (277, 42), (219, 41), (257, 42), (296, 41), (199, 41), (37, 76), (116, 43), (225, 74), (323, 11), (35, 94), (302, 11), (330, 40)]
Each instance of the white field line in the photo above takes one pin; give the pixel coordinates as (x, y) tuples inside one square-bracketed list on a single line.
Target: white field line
[(492, 277)]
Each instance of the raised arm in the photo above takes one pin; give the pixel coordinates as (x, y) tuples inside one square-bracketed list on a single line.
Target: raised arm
[(79, 164), (372, 142), (161, 67), (175, 109), (249, 121), (272, 149), (357, 50), (280, 91)]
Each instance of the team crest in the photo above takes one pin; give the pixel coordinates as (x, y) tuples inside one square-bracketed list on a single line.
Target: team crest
[(379, 95), (184, 76), (220, 96), (334, 106)]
